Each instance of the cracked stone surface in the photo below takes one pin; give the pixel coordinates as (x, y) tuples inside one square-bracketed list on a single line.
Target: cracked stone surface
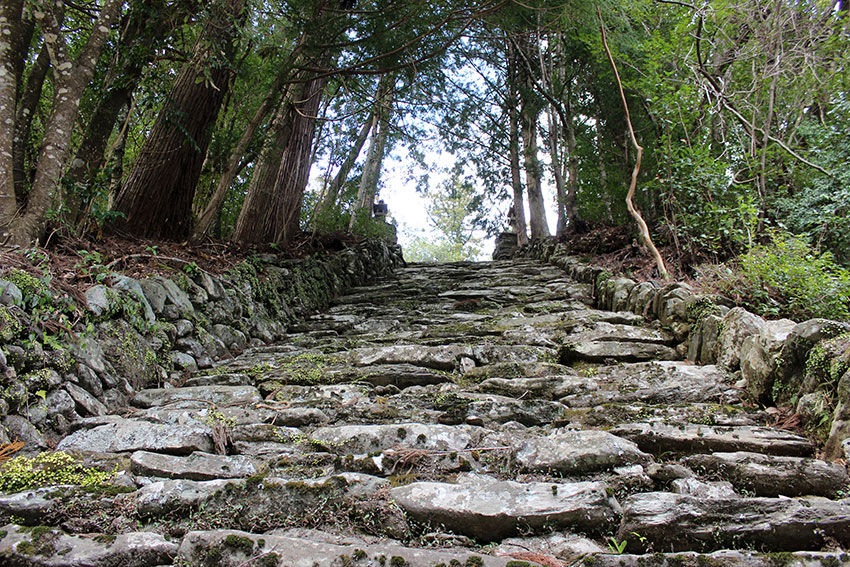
[(466, 414)]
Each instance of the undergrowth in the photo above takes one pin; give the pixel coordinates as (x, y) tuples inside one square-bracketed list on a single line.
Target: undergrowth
[(786, 277)]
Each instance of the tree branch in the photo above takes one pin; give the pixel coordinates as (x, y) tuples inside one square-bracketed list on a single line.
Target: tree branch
[(642, 227)]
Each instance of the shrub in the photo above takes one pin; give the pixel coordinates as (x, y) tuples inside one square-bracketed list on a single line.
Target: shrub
[(786, 277)]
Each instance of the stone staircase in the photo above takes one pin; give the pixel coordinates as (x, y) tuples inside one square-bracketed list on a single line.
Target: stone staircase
[(463, 414)]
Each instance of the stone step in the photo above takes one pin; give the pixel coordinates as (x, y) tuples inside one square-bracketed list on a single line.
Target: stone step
[(231, 549), (125, 435), (767, 475), (53, 548), (489, 510), (200, 395), (647, 382), (725, 558), (197, 466), (657, 437), (578, 452), (677, 522)]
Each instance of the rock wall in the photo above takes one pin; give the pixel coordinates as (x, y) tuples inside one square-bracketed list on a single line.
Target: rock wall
[(779, 362), (138, 333)]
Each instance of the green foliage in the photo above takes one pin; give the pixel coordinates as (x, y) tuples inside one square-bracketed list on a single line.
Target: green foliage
[(615, 546), (452, 211), (786, 277), (821, 208), (47, 469), (91, 266)]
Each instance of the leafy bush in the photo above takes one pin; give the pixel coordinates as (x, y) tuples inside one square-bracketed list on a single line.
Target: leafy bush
[(786, 277)]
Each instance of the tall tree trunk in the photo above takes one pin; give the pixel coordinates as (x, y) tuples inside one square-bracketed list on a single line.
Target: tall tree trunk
[(27, 105), (375, 156), (513, 143), (557, 171), (10, 22), (329, 199), (529, 113), (157, 197), (143, 30), (331, 195), (70, 81), (536, 208), (571, 196), (212, 212), (271, 212)]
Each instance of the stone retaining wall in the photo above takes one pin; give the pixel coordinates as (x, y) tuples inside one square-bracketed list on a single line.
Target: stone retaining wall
[(779, 362), (155, 331)]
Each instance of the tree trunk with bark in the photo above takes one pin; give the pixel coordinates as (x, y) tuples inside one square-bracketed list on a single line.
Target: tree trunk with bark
[(10, 22), (536, 207), (157, 197), (557, 171), (511, 106), (143, 31), (71, 77), (375, 156), (271, 212), (212, 211)]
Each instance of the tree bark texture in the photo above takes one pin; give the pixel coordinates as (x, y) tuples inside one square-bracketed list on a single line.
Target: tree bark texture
[(143, 31), (70, 81), (212, 212), (27, 104), (536, 208), (271, 212), (10, 20), (513, 144), (375, 156), (157, 197), (557, 171)]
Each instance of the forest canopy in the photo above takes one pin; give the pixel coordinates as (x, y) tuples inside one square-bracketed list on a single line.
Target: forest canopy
[(260, 121)]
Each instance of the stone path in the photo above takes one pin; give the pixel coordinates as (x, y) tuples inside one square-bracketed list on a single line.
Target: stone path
[(461, 414)]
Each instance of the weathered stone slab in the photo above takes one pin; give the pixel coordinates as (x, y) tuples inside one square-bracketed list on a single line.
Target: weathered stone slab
[(165, 496), (538, 387), (219, 395), (648, 382), (399, 375), (724, 558), (767, 475), (197, 466), (369, 439), (562, 546), (437, 357), (490, 509), (297, 552), (737, 325), (578, 452), (659, 437), (699, 489), (686, 523), (31, 505), (626, 351), (53, 548), (122, 435), (86, 401)]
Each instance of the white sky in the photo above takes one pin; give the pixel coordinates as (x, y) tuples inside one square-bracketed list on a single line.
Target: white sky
[(407, 206)]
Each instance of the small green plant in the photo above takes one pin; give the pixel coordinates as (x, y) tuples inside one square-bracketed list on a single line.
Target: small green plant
[(786, 277), (192, 269), (91, 266), (47, 469), (615, 546)]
